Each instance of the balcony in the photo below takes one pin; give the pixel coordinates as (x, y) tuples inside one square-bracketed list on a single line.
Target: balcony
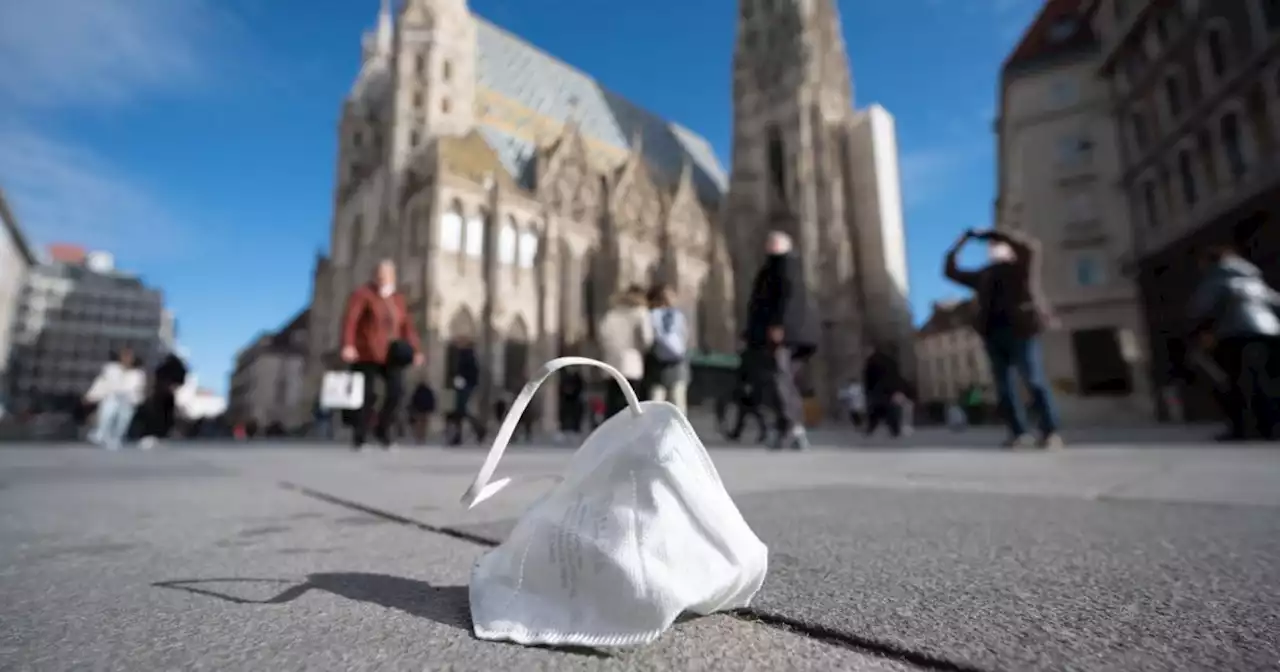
[(1087, 233)]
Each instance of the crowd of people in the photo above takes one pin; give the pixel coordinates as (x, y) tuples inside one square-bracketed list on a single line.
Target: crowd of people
[(126, 406)]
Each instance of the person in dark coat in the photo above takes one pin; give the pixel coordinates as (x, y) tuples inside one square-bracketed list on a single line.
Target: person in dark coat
[(422, 404), (1010, 315), (883, 381), (463, 374), (782, 322), (160, 414), (573, 404)]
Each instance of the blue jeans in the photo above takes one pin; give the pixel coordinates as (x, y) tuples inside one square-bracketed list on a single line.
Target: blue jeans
[(1009, 355), (114, 416)]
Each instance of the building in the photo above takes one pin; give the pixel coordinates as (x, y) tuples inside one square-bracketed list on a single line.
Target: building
[(516, 194), (267, 384), (71, 318), (950, 356), (1058, 168), (807, 162), (1195, 90), (16, 258)]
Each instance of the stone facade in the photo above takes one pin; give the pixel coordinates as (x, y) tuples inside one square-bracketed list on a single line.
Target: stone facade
[(517, 195), (16, 259), (951, 356), (1057, 169), (267, 382), (807, 162)]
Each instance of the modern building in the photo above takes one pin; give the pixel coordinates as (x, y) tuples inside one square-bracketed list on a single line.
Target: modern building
[(1058, 168), (71, 318), (1194, 88), (949, 355), (517, 194), (16, 258), (267, 384)]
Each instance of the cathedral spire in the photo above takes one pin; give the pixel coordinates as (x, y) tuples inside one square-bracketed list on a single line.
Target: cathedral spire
[(386, 31)]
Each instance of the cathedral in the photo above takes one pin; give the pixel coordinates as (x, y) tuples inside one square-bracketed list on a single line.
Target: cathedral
[(516, 194)]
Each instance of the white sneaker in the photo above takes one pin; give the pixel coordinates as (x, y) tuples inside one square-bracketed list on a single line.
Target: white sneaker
[(147, 443)]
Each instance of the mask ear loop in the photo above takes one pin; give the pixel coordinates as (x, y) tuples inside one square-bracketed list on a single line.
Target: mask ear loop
[(481, 489)]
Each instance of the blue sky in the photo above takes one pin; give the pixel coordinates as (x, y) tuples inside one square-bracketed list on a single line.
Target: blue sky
[(195, 138)]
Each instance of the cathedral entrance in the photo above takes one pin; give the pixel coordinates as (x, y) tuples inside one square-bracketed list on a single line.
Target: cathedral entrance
[(515, 357)]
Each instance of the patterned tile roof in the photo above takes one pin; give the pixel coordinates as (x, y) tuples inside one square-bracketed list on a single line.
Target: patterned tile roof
[(517, 70)]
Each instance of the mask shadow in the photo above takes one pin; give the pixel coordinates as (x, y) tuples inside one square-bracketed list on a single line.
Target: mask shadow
[(446, 605)]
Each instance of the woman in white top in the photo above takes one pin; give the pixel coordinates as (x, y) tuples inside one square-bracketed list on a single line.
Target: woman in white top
[(117, 391), (626, 334)]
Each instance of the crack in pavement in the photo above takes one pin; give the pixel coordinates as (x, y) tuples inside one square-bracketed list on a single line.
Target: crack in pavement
[(867, 646)]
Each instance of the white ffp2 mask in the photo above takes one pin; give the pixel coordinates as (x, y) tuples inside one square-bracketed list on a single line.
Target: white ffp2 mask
[(639, 530)]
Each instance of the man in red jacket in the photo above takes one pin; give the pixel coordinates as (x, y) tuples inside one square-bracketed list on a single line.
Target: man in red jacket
[(379, 341)]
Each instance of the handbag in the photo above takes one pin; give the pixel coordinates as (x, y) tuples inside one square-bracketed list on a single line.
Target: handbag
[(399, 353), (342, 390)]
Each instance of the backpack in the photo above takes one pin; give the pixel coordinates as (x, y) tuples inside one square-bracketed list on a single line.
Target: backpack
[(670, 343)]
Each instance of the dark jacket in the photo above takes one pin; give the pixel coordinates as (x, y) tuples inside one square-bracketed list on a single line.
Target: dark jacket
[(464, 364), (1012, 288), (424, 399), (171, 372), (372, 322), (779, 298), (1234, 300), (880, 377), (572, 386)]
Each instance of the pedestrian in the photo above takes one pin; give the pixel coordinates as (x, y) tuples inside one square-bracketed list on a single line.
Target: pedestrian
[(667, 365), (423, 405), (626, 334), (573, 390), (744, 398), (117, 391), (1010, 315), (884, 392), (781, 325), (159, 415), (463, 372), (379, 341), (955, 416), (1235, 310), (854, 398)]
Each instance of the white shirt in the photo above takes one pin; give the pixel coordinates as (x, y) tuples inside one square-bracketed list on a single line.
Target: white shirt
[(115, 381), (854, 397)]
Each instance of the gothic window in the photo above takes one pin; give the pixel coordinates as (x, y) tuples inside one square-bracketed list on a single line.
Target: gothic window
[(414, 138), (777, 160), (507, 242), (474, 238), (528, 248), (419, 64), (1139, 126), (356, 240), (451, 228), (1186, 175), (446, 71), (444, 105), (357, 138), (417, 100), (1151, 205), (1173, 97), (1231, 144), (1216, 51)]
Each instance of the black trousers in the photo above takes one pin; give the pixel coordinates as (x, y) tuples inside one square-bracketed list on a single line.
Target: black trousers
[(160, 412), (383, 418), (571, 411), (887, 412), (1251, 394), (462, 414), (615, 400)]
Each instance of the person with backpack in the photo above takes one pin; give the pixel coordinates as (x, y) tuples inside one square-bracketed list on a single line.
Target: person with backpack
[(668, 366)]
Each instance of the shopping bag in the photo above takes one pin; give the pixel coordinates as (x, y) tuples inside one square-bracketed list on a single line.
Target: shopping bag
[(342, 390)]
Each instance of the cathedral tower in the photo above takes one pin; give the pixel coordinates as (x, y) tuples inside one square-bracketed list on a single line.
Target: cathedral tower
[(791, 167)]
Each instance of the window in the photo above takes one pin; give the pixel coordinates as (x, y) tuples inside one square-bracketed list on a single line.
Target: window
[(1061, 29), (1173, 96), (1271, 13), (1187, 176), (528, 249), (1231, 145), (1088, 271), (1139, 125), (474, 239), (1216, 49), (446, 71), (451, 228), (1162, 30), (1073, 149), (417, 100), (419, 64), (1151, 205), (507, 242), (1101, 368), (777, 160), (1063, 93), (357, 138), (414, 138), (444, 105)]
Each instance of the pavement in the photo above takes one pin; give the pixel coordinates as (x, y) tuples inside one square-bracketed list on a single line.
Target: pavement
[(1123, 552)]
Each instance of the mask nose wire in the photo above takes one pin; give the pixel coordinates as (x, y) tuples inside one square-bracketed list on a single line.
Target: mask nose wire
[(480, 488)]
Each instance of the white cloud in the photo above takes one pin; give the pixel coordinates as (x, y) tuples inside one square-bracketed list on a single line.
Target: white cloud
[(105, 52), (60, 192)]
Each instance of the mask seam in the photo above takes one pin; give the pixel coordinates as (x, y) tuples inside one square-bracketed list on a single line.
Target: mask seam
[(639, 542)]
